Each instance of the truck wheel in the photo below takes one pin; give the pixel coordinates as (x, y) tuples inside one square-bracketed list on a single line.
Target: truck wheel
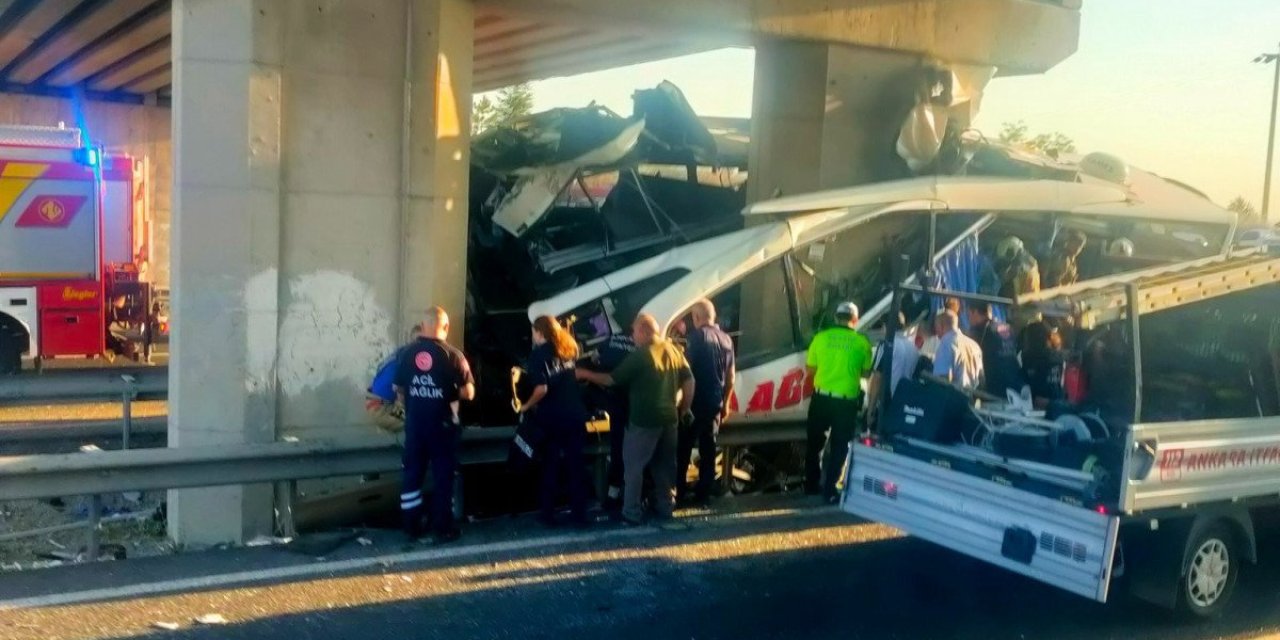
[(10, 354), (1209, 576)]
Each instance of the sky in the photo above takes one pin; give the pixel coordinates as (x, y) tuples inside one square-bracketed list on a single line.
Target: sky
[(1168, 85)]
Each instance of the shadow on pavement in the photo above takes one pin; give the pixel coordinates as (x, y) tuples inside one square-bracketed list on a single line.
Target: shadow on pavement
[(884, 588)]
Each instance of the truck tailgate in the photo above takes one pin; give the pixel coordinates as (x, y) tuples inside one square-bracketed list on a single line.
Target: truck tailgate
[(1066, 546)]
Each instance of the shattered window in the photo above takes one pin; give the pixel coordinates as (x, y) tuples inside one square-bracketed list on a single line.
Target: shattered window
[(594, 322), (851, 266), (761, 320)]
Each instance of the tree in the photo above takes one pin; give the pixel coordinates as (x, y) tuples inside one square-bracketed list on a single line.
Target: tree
[(511, 104), (1243, 208), (1016, 134)]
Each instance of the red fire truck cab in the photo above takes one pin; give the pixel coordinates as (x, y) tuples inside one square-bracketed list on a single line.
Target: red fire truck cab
[(75, 243)]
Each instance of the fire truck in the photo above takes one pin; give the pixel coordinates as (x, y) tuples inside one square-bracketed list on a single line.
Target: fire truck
[(75, 244)]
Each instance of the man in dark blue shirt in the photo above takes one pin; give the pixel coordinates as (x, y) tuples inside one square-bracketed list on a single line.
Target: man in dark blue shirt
[(999, 350), (430, 379), (610, 356), (710, 356)]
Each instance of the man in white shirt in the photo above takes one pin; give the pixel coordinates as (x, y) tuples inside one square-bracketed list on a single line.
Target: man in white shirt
[(959, 358)]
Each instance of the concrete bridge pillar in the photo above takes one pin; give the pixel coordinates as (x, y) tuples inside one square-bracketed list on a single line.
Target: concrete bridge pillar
[(827, 116), (320, 190)]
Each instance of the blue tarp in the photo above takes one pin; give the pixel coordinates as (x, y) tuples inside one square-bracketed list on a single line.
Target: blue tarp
[(964, 269)]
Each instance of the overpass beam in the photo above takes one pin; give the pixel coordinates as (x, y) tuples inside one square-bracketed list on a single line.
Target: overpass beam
[(320, 190)]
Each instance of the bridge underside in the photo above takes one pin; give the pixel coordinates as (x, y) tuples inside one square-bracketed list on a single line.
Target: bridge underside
[(321, 165)]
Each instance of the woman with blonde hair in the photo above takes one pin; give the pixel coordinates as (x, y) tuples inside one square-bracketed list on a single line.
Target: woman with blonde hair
[(556, 407)]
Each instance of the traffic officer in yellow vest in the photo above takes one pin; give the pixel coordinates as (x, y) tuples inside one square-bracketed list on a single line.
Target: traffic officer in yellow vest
[(839, 358)]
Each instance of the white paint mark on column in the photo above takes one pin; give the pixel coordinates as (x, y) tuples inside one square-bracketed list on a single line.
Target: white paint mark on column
[(333, 329), (261, 300)]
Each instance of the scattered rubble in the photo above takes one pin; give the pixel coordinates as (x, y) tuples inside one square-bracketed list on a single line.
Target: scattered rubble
[(132, 526)]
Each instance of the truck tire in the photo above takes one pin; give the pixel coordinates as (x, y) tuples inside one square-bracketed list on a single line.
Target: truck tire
[(10, 353), (1210, 571)]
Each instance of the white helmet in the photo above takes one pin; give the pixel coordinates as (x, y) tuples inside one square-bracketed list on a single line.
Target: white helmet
[(1120, 248), (1010, 248)]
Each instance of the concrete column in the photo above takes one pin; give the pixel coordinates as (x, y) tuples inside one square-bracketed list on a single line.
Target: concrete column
[(307, 173), (823, 116), (437, 163), (826, 116)]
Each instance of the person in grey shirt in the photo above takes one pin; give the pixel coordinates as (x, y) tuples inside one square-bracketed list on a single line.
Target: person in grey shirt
[(959, 358)]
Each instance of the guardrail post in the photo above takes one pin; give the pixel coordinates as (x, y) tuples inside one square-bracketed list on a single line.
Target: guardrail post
[(130, 392), (285, 493), (457, 497), (95, 519), (726, 475)]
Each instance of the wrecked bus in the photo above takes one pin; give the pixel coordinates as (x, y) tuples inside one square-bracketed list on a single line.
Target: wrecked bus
[(800, 255)]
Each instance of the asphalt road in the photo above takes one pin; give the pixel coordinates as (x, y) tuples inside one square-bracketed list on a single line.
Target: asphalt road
[(770, 571)]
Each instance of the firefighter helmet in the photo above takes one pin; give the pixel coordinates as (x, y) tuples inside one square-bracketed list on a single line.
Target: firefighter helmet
[(1120, 248), (1010, 248)]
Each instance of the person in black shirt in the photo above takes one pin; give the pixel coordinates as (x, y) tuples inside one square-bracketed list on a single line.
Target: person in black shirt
[(618, 404), (430, 379), (556, 406), (1043, 363), (999, 350), (710, 356)]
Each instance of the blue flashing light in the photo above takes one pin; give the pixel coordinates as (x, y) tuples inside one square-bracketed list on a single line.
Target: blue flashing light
[(87, 156)]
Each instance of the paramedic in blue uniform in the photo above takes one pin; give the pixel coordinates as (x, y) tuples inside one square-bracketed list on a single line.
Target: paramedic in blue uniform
[(556, 407), (619, 346), (431, 378), (710, 356)]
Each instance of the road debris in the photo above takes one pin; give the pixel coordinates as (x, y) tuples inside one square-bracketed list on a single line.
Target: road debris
[(266, 541), (211, 619)]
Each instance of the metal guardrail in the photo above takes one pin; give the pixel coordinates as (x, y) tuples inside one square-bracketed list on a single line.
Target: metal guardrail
[(69, 474), (76, 384), (17, 433), (58, 475)]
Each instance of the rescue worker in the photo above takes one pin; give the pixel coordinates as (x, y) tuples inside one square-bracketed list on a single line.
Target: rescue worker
[(660, 386), (905, 359), (610, 356), (1043, 364), (557, 408), (430, 380), (1062, 267), (1017, 269), (117, 320), (837, 360), (999, 347), (710, 354), (959, 358)]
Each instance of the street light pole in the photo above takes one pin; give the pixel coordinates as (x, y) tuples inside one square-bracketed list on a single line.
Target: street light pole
[(1272, 59)]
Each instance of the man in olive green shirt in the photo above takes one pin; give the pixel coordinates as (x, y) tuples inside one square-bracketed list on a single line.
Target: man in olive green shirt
[(654, 374), (839, 357)]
